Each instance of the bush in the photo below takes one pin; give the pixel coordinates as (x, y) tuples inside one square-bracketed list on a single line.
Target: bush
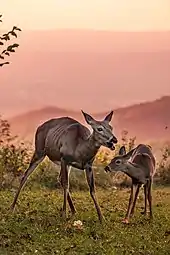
[(163, 169), (15, 157)]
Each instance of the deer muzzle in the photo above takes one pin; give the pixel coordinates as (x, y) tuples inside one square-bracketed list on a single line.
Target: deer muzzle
[(107, 169), (111, 142)]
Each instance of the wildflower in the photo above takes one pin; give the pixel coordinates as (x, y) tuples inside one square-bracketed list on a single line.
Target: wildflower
[(78, 224)]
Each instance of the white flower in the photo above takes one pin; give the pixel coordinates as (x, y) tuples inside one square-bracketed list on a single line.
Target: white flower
[(78, 223)]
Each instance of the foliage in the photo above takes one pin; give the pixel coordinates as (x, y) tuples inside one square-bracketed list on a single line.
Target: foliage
[(8, 49), (36, 226), (163, 168), (13, 157)]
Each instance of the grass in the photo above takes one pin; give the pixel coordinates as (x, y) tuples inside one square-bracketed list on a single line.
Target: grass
[(37, 228)]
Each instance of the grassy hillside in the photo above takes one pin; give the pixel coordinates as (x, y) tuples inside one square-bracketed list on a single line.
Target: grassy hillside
[(36, 226)]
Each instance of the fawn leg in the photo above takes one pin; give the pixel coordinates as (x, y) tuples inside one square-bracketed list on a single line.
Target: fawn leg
[(150, 198), (146, 197), (35, 161), (134, 203), (126, 219), (90, 181)]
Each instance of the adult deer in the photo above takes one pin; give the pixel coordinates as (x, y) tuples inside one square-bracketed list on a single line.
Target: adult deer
[(67, 141), (139, 164)]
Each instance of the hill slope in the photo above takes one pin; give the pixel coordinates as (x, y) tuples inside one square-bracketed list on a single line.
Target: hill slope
[(147, 121)]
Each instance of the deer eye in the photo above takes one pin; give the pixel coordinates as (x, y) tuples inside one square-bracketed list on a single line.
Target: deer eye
[(100, 129), (118, 162)]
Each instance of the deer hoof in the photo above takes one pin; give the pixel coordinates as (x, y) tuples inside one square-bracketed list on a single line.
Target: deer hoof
[(125, 221), (144, 213)]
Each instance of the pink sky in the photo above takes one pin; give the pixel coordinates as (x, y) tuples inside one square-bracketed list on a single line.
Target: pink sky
[(114, 62), (94, 14)]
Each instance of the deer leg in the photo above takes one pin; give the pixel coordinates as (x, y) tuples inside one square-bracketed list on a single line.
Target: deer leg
[(69, 199), (126, 219), (65, 185), (70, 202), (150, 198), (134, 203), (90, 181), (35, 161)]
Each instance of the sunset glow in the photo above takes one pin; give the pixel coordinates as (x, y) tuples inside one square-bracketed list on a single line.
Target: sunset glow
[(89, 14)]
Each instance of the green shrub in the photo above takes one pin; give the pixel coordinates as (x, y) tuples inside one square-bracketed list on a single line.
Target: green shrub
[(163, 167), (15, 157)]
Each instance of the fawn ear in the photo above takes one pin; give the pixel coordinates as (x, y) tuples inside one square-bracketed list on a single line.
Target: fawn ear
[(108, 118), (129, 154), (146, 155), (89, 119), (122, 150)]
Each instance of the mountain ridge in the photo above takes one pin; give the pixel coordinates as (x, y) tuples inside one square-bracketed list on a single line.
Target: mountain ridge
[(146, 121)]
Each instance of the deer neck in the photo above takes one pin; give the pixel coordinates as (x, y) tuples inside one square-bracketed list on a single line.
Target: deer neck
[(93, 143), (131, 169), (137, 173), (90, 147)]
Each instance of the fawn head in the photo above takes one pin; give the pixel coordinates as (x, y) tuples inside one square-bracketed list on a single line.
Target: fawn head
[(102, 130), (118, 162)]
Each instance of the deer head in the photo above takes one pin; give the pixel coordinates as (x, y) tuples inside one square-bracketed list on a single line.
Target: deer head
[(118, 162), (102, 130)]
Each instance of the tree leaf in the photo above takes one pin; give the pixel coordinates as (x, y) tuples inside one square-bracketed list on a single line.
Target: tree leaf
[(11, 50), (5, 63), (13, 33), (17, 28), (15, 45), (5, 37)]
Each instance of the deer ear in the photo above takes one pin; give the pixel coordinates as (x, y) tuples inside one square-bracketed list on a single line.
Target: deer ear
[(122, 150), (89, 119), (108, 118)]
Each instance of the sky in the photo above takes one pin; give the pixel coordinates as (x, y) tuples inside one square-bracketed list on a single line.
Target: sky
[(55, 70), (124, 15)]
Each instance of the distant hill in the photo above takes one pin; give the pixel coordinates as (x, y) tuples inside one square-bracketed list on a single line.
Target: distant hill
[(148, 121)]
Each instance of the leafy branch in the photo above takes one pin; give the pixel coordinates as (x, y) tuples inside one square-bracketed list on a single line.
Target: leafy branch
[(10, 48)]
